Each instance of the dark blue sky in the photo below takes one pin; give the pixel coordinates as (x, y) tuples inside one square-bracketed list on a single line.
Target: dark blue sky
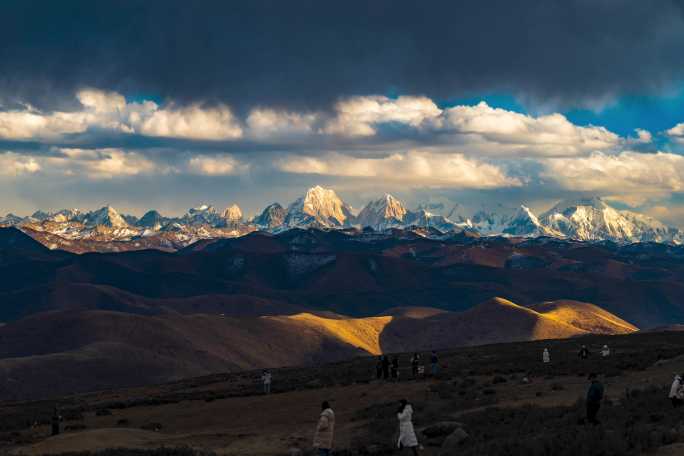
[(168, 104)]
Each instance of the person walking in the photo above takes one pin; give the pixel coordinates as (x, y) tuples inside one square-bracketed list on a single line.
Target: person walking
[(325, 429), (677, 391), (605, 351), (266, 378), (584, 352), (434, 363), (407, 435), (415, 362), (385, 367), (594, 398), (546, 356), (378, 368), (395, 368)]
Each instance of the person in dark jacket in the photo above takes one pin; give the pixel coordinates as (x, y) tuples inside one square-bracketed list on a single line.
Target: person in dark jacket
[(385, 367), (594, 398), (56, 421), (584, 352), (395, 368), (434, 363)]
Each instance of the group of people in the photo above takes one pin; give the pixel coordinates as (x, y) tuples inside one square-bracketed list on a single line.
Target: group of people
[(325, 429), (386, 368), (583, 353)]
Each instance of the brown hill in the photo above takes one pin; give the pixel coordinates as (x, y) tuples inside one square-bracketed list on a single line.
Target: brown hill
[(67, 351)]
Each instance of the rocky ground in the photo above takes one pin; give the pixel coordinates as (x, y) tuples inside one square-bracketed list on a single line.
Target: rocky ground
[(478, 404)]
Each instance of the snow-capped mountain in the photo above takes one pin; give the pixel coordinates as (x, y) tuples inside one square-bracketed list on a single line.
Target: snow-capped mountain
[(152, 220), (319, 207), (423, 218), (272, 217), (525, 223), (588, 219), (202, 215), (383, 213), (592, 219), (233, 214), (106, 216)]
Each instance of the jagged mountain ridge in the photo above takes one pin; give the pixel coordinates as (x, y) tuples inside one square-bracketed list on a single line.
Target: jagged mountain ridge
[(587, 219)]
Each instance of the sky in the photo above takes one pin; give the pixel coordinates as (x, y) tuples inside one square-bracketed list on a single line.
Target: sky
[(167, 105)]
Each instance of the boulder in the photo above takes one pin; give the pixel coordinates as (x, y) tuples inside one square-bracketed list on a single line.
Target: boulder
[(442, 428), (453, 442)]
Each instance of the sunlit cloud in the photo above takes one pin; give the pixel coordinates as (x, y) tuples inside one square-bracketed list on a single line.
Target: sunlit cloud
[(219, 165), (627, 172), (418, 168)]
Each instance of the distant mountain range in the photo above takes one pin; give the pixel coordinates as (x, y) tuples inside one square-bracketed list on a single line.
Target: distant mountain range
[(587, 219)]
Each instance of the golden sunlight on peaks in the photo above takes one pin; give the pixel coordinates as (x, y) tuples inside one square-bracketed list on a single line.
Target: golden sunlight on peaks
[(363, 333)]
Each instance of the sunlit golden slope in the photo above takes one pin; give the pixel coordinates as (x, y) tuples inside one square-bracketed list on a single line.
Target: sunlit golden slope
[(363, 333), (586, 316), (493, 321)]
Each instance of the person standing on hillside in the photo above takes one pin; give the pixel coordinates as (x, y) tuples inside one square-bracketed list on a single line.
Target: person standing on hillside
[(395, 368), (677, 392), (584, 352), (594, 398), (266, 379), (56, 421), (605, 351), (325, 429), (546, 356), (407, 435), (385, 367), (415, 362), (434, 363), (378, 368)]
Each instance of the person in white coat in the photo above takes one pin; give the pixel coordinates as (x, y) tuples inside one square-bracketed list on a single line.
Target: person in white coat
[(546, 356), (266, 378), (407, 436), (605, 351), (677, 391)]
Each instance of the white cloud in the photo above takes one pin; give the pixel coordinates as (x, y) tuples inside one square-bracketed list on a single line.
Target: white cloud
[(418, 168), (216, 165), (677, 133), (12, 164), (87, 163), (358, 116), (110, 111), (643, 136), (501, 132), (264, 123), (192, 122), (626, 172), (479, 129)]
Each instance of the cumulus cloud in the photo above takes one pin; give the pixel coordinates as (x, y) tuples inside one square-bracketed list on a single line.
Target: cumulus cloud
[(479, 129), (358, 116), (192, 122), (506, 132), (677, 133), (110, 111), (626, 172), (413, 168), (216, 165), (265, 123), (87, 163), (12, 164)]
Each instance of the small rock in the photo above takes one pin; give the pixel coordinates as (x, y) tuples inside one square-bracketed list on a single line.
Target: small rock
[(441, 428), (453, 442)]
